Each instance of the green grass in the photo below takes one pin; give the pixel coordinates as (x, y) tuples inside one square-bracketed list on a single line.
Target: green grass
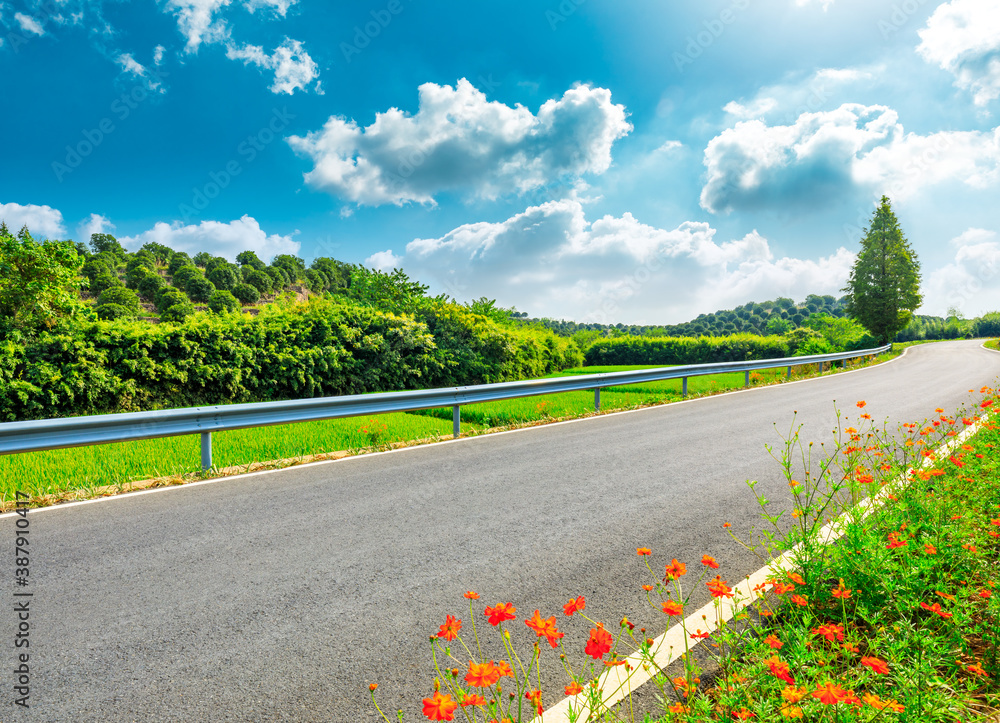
[(993, 344), (86, 469)]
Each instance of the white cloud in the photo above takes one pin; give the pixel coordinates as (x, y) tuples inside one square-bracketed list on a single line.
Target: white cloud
[(970, 283), (383, 260), (95, 223), (963, 38), (550, 260), (219, 239), (827, 153), (755, 109), (197, 22), (158, 54), (42, 221), (278, 6), (29, 24), (292, 66), (459, 141)]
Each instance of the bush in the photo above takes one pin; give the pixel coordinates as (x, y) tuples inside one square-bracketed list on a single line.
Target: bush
[(221, 301), (120, 297), (103, 281), (199, 288), (142, 259), (278, 277), (223, 276), (149, 286), (137, 274), (169, 297), (246, 294), (109, 312), (178, 312), (259, 280), (184, 274), (202, 258), (685, 350), (178, 260)]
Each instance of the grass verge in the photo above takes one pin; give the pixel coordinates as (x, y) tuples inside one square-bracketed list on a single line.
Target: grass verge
[(85, 472)]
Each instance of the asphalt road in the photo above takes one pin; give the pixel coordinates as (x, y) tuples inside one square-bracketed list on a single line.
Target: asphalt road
[(279, 597)]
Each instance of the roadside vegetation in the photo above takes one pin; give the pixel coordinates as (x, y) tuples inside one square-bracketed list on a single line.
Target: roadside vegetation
[(896, 618)]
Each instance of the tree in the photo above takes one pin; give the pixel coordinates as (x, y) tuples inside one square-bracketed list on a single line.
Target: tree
[(223, 276), (884, 286), (222, 301), (38, 281), (106, 243), (199, 288), (249, 258)]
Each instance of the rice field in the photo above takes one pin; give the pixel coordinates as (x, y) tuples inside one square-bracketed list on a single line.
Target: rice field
[(93, 470)]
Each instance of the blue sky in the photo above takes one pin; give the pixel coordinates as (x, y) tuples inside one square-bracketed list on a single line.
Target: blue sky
[(617, 162)]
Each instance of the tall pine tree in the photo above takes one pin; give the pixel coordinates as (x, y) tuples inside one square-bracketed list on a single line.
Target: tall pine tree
[(884, 287)]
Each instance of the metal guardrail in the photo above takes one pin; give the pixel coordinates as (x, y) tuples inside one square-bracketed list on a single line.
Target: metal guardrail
[(38, 435)]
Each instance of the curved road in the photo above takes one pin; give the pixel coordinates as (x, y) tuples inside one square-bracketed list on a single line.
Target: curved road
[(280, 596)]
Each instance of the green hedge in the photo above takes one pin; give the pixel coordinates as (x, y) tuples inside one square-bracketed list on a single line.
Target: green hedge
[(669, 350), (320, 348)]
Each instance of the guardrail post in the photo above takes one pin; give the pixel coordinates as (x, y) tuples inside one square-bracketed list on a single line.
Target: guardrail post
[(789, 375), (746, 378), (597, 399), (819, 367), (206, 451), (684, 387), (456, 419)]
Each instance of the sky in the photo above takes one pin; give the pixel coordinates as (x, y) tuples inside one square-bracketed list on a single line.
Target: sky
[(589, 160)]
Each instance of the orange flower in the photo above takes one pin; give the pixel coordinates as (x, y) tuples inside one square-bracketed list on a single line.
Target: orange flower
[(851, 647), (841, 592), (471, 595), (677, 708), (482, 675), (449, 631), (500, 612), (742, 714), (372, 686), (672, 608), (574, 688), (545, 628), (773, 642), (647, 588), (799, 600), (977, 669), (675, 570), (793, 695), (830, 632), (643, 551), (473, 699), (535, 696), (599, 642), (796, 578), (945, 595), (861, 405), (726, 525), (791, 711), (829, 694), (574, 604), (718, 587), (440, 707), (503, 669), (936, 609), (699, 635), (780, 588), (894, 541), (984, 593), (930, 549), (779, 669), (879, 666), (709, 561)]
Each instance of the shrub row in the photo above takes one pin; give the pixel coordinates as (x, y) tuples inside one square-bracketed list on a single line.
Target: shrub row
[(685, 350), (321, 348)]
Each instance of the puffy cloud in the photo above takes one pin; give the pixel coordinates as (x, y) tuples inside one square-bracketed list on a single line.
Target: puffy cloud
[(383, 260), (42, 221), (971, 282), (826, 153), (459, 141), (220, 239), (197, 21), (755, 109), (963, 38), (95, 223), (29, 24), (550, 260), (278, 6), (292, 66)]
